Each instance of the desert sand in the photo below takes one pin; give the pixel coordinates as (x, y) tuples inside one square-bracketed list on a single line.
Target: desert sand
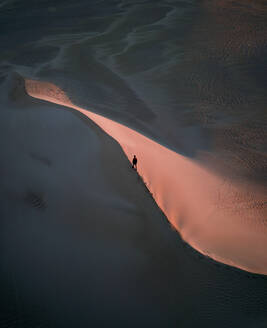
[(84, 240)]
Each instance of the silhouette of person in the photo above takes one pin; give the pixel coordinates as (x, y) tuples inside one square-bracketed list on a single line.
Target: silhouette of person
[(134, 166)]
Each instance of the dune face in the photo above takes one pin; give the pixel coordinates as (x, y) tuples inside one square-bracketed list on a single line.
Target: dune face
[(219, 218), (82, 242)]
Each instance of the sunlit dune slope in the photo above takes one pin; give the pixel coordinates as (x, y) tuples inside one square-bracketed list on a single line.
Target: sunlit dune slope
[(220, 219)]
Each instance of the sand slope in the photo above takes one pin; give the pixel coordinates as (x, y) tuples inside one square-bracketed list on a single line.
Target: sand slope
[(221, 219), (83, 243)]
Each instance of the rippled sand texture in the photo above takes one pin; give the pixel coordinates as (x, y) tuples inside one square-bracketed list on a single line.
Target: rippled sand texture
[(190, 74)]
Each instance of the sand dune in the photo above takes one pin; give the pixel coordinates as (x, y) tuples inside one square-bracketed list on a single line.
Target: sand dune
[(82, 241), (217, 217)]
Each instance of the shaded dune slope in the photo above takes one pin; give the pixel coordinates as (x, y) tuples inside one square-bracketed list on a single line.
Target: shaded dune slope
[(79, 247)]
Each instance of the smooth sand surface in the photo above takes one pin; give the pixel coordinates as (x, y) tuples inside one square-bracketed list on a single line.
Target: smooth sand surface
[(217, 217)]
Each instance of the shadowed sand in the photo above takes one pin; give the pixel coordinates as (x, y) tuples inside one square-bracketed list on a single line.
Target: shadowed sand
[(218, 218)]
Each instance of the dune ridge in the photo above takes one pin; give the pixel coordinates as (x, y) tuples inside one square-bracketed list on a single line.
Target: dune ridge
[(222, 220)]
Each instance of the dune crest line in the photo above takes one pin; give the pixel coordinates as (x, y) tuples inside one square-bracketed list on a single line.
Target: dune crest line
[(222, 220)]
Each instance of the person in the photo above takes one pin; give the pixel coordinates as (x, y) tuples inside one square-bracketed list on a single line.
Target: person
[(134, 166)]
